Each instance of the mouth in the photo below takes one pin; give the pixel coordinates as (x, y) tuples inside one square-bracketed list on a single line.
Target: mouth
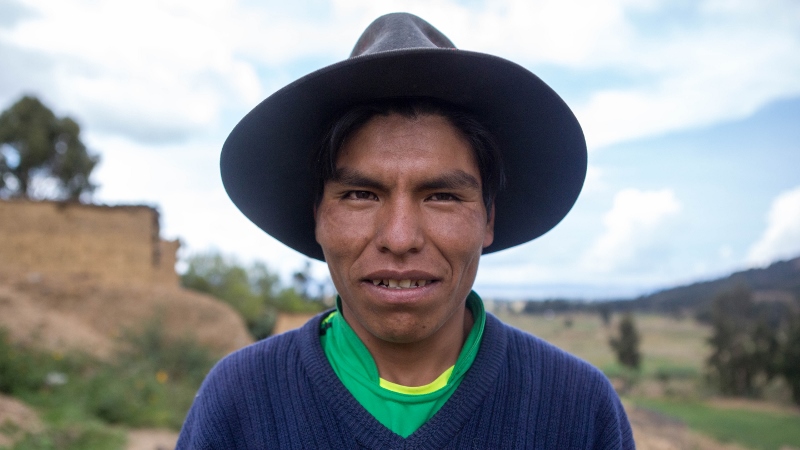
[(400, 284)]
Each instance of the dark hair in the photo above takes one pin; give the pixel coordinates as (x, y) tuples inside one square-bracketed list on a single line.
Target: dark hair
[(484, 148)]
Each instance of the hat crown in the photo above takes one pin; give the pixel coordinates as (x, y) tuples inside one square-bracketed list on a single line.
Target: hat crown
[(399, 31)]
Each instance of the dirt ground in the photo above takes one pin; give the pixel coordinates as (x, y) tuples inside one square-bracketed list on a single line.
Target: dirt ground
[(151, 439)]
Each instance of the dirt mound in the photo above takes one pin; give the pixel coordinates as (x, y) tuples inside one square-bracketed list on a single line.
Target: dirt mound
[(65, 313)]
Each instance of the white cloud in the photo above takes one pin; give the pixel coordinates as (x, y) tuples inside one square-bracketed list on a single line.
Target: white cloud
[(696, 78), (149, 70), (629, 228), (781, 239)]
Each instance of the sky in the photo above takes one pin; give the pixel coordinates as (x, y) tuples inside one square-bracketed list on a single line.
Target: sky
[(691, 111)]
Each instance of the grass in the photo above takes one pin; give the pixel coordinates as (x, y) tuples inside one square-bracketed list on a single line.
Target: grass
[(84, 436), (669, 346), (85, 402), (754, 429)]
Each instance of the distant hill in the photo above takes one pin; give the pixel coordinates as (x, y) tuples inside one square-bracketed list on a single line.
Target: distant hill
[(779, 283)]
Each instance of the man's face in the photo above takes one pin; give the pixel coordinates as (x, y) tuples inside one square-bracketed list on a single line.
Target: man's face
[(402, 228)]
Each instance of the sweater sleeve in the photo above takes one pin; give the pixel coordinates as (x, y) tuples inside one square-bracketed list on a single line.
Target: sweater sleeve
[(190, 437), (614, 429), (229, 405), (208, 417)]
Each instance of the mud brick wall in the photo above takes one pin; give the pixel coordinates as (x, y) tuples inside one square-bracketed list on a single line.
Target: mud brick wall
[(110, 243)]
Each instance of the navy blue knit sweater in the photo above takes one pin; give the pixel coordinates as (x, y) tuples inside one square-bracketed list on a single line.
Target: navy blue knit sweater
[(520, 393)]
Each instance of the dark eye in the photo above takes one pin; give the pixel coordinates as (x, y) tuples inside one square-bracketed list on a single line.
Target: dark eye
[(442, 197), (361, 195)]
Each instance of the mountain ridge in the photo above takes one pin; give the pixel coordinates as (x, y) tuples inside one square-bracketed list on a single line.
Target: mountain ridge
[(779, 282)]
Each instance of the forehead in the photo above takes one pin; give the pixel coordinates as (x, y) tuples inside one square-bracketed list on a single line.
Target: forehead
[(409, 141)]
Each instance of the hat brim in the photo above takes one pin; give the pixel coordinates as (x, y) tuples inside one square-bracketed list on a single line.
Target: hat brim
[(265, 160)]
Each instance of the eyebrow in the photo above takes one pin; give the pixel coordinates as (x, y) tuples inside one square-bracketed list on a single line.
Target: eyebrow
[(452, 180)]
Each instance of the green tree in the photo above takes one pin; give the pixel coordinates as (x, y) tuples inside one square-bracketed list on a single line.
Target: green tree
[(250, 293), (744, 346), (626, 345), (790, 357), (41, 155)]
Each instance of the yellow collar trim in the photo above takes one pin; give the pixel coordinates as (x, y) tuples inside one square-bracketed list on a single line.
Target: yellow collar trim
[(433, 386)]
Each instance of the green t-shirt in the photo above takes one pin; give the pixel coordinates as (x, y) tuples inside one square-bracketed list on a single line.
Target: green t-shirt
[(401, 409)]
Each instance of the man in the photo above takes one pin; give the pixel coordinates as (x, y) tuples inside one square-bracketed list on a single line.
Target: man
[(411, 143)]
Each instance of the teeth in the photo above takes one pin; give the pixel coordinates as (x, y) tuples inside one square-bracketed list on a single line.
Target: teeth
[(400, 284)]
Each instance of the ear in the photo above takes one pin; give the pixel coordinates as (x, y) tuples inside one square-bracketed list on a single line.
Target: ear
[(488, 236)]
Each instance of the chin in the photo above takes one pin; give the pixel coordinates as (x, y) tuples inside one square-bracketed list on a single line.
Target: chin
[(405, 331)]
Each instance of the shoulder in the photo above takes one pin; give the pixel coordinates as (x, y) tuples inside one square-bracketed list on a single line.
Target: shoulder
[(265, 359), (235, 391), (567, 388), (531, 352)]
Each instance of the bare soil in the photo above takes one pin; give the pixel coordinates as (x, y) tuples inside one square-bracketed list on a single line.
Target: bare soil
[(151, 439), (72, 313)]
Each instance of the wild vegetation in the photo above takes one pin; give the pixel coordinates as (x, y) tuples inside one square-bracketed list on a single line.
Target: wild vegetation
[(87, 403), (253, 291)]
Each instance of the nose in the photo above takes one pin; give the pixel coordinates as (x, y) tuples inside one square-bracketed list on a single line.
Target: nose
[(400, 230)]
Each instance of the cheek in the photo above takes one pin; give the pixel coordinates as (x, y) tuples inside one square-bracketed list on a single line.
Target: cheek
[(463, 234), (339, 233)]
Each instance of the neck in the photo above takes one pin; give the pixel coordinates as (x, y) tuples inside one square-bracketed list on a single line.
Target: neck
[(420, 363)]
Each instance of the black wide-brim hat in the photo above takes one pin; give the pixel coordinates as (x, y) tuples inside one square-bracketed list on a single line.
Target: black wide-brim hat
[(265, 162)]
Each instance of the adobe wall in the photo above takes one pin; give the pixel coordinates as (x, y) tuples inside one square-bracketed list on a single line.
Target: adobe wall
[(109, 243)]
